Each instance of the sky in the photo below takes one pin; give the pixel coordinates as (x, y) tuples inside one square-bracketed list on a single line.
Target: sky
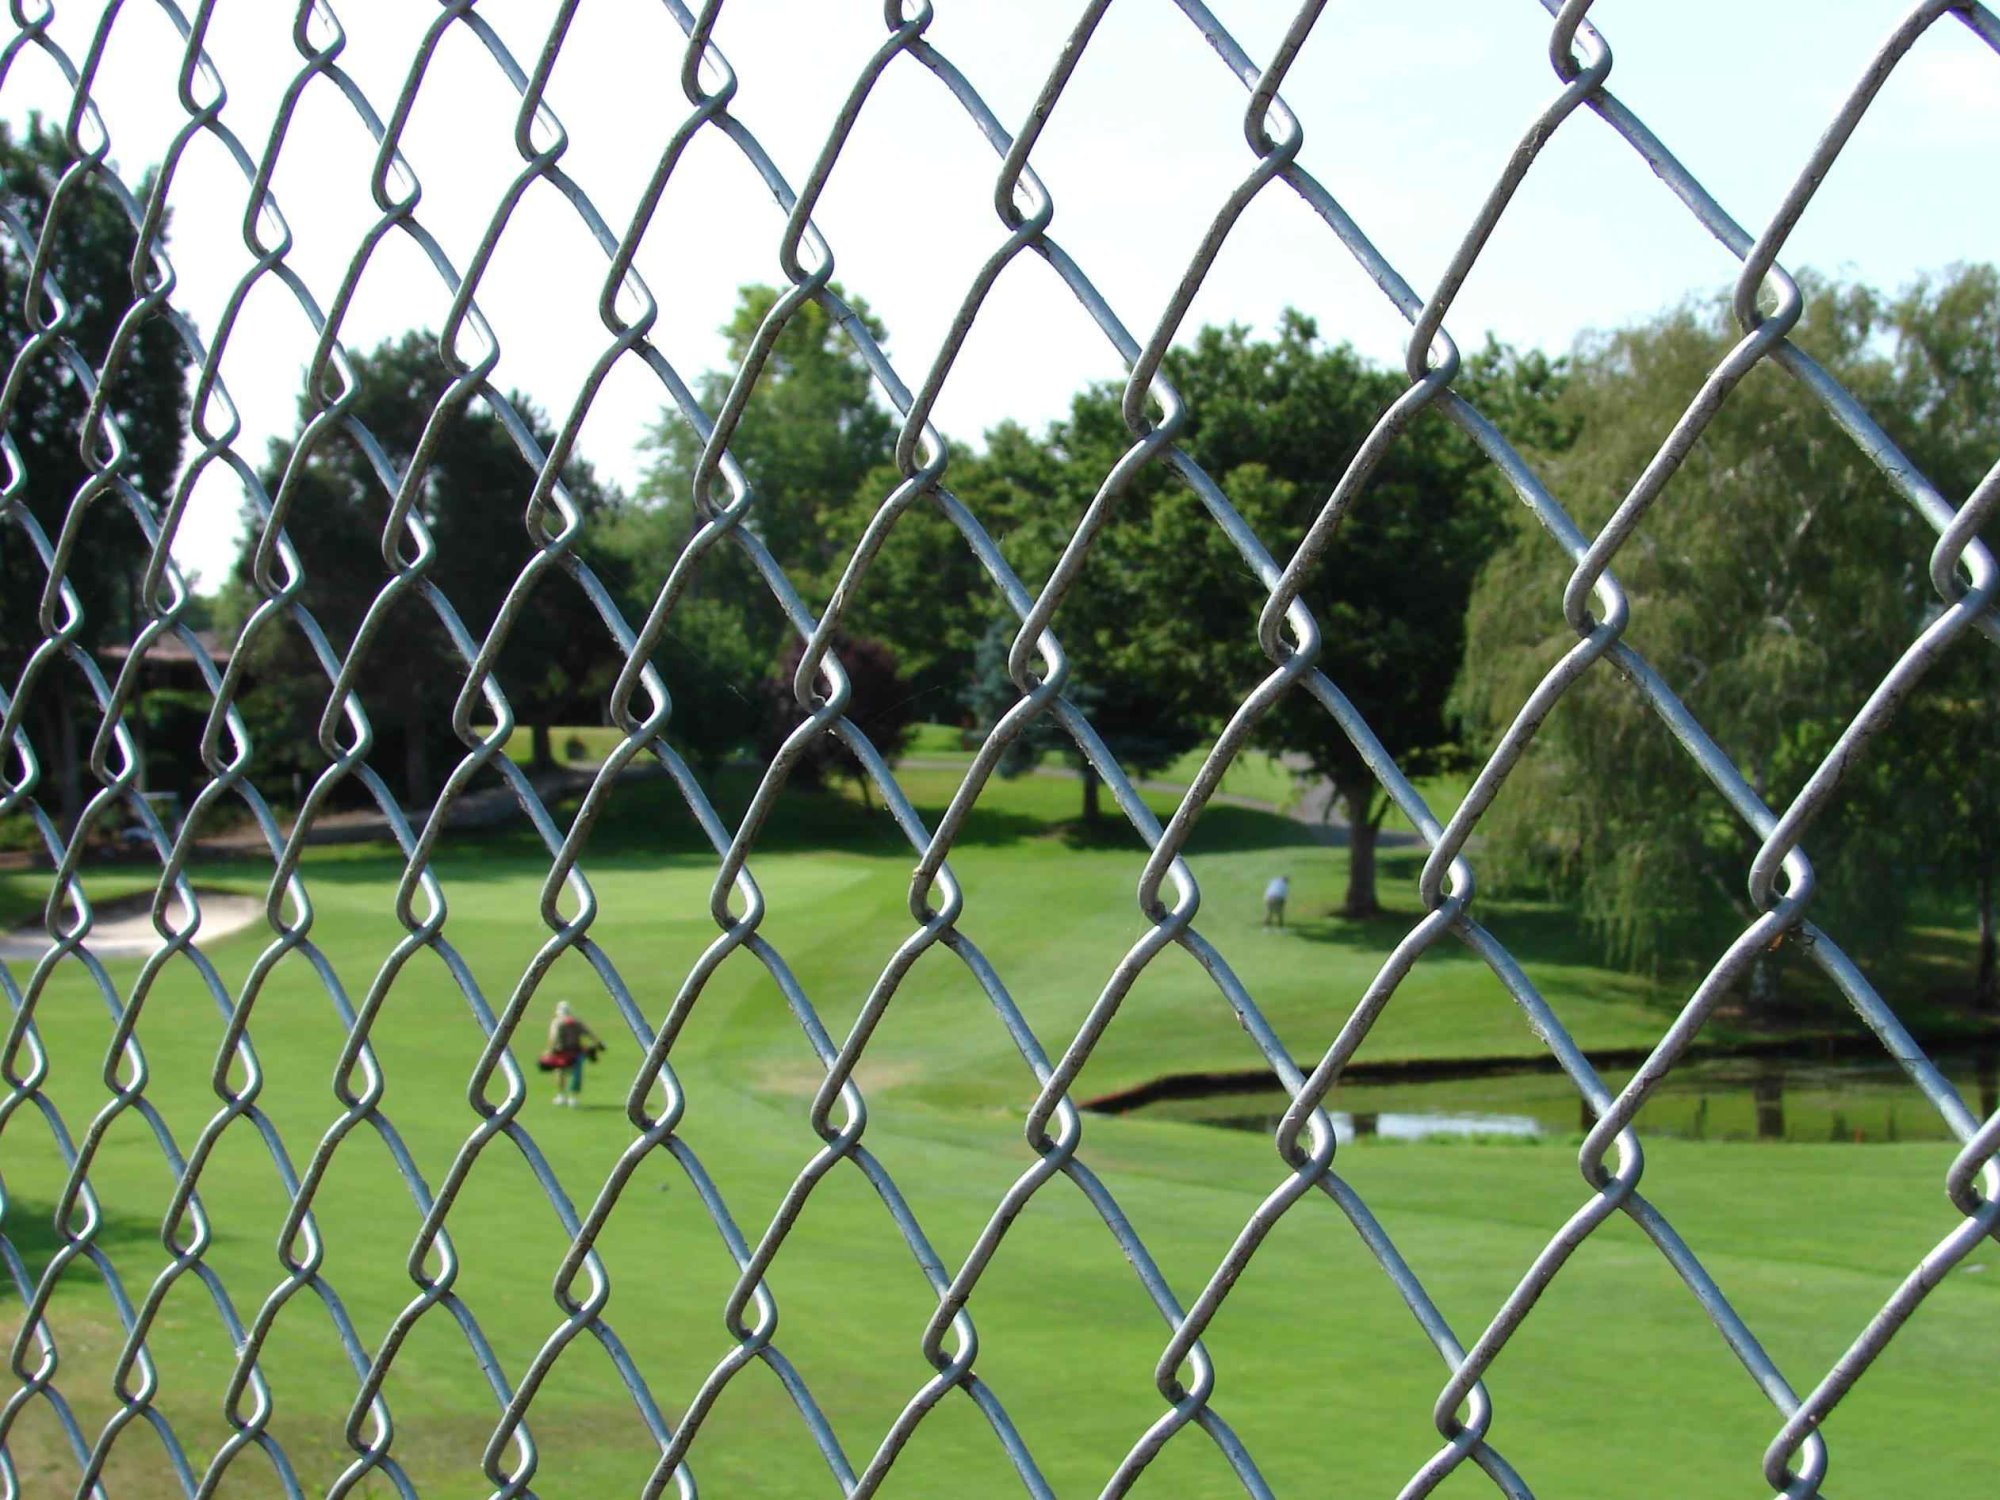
[(1409, 113)]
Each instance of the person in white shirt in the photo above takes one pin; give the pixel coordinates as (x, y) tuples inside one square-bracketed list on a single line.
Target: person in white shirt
[(1274, 900)]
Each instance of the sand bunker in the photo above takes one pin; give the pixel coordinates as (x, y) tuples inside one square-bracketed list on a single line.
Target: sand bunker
[(123, 928)]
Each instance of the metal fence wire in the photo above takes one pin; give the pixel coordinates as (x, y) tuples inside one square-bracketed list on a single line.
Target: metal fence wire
[(1193, 1391)]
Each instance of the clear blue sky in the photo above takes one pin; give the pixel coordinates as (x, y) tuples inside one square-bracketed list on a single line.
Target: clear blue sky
[(1409, 111)]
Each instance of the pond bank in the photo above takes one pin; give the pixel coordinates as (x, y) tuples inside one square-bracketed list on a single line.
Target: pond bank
[(1761, 1089)]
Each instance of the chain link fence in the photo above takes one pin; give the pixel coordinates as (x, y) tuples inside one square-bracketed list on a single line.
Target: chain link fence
[(1193, 1390)]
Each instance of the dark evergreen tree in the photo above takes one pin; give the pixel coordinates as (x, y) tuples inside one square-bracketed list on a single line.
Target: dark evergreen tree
[(94, 243), (473, 498)]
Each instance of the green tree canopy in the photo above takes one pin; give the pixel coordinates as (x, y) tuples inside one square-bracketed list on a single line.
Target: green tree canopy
[(811, 432), (1278, 422), (1147, 624), (815, 445), (1161, 626), (925, 593)]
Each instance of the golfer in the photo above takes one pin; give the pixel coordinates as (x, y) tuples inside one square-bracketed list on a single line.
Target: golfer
[(570, 1043), (1274, 900)]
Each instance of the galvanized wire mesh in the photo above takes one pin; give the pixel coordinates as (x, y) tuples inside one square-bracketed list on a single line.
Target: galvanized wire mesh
[(1192, 1391)]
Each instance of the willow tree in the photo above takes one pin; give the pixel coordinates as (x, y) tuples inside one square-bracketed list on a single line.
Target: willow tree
[(1772, 583), (1945, 413)]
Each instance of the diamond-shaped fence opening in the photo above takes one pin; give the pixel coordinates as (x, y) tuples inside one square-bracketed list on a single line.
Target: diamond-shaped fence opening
[(282, 1209)]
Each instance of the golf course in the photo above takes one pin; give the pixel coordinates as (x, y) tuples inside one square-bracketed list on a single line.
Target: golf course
[(1320, 1369)]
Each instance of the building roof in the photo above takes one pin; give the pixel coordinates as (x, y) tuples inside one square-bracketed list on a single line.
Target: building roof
[(171, 651)]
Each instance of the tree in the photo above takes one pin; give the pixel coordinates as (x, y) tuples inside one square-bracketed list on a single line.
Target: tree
[(810, 434), (94, 244), (1278, 422), (1161, 606), (1945, 414), (989, 693), (924, 562), (880, 706), (1948, 749), (1160, 628), (717, 680), (473, 499), (816, 446), (1772, 584)]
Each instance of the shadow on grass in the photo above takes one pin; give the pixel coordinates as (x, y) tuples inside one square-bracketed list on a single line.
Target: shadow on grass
[(30, 1230), (1222, 829), (1545, 938), (1930, 975), (1926, 975), (646, 822)]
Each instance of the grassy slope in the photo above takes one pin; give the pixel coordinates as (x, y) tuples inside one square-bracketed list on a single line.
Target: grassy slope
[(1254, 774), (1321, 1369)]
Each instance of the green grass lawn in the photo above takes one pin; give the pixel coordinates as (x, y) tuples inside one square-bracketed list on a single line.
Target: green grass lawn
[(577, 745), (1321, 1370), (1253, 774)]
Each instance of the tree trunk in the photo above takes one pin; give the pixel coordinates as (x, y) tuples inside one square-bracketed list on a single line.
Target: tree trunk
[(416, 763), (69, 760), (1763, 997), (1983, 985), (1362, 826), (1768, 1090), (543, 756), (135, 725), (1092, 811)]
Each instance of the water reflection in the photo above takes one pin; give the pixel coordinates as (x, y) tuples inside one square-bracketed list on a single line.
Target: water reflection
[(1744, 1099), (1400, 1126), (1767, 1089)]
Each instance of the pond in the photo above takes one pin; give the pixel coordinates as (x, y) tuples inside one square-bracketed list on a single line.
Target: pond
[(1720, 1099)]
